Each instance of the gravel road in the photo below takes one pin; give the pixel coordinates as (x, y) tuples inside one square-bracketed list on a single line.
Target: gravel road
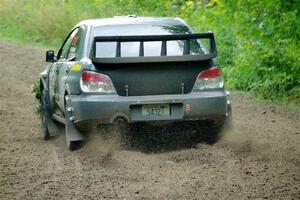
[(258, 159)]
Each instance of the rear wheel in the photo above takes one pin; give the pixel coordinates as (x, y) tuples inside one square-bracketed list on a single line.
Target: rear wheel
[(45, 115), (73, 145)]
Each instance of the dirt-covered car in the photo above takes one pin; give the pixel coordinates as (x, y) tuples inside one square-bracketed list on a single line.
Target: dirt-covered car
[(132, 69)]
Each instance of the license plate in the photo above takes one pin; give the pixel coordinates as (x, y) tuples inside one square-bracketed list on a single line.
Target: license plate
[(155, 110)]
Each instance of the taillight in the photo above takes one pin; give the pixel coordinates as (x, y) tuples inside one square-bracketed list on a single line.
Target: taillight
[(96, 82), (209, 79)]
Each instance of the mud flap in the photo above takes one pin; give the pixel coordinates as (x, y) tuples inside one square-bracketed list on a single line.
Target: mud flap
[(72, 133)]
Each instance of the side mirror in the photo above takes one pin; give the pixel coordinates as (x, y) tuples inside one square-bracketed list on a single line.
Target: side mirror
[(50, 56)]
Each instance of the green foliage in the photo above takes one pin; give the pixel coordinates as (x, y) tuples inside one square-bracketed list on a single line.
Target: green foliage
[(36, 89), (258, 40), (266, 59)]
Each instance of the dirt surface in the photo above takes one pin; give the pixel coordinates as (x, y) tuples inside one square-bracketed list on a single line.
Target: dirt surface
[(258, 159)]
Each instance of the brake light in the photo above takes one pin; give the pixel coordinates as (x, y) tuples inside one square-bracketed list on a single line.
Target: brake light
[(209, 79), (96, 82)]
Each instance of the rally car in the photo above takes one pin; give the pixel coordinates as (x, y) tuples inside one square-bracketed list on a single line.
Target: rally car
[(132, 69)]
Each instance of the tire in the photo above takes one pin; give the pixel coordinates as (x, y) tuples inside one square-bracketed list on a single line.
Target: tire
[(73, 145), (216, 133), (45, 115)]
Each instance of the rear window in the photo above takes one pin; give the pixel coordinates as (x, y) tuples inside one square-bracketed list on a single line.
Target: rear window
[(131, 49)]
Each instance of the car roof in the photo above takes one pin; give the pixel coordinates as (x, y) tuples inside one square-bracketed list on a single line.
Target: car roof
[(123, 20)]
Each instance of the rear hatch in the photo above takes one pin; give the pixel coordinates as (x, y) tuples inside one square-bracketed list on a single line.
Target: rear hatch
[(153, 65), (139, 79)]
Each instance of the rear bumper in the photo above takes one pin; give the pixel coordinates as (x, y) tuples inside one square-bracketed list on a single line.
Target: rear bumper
[(205, 105)]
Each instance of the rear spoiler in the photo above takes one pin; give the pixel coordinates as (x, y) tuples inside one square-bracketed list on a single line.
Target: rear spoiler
[(212, 52)]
